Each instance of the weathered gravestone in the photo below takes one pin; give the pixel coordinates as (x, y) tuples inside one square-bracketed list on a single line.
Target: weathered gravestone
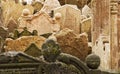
[(87, 11), (70, 17), (86, 27), (13, 10), (41, 21), (46, 35), (12, 25), (18, 63), (50, 5), (1, 43), (15, 34), (73, 43), (33, 50), (25, 32), (3, 32), (37, 6), (21, 43), (16, 57)]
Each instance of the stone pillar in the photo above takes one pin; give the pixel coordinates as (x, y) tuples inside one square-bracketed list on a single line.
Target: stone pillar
[(101, 18), (113, 35), (118, 24)]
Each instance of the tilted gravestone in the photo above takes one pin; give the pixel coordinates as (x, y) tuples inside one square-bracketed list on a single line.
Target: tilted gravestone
[(33, 50), (21, 43), (16, 34), (1, 43), (3, 32), (46, 35), (16, 57), (12, 25), (86, 27), (25, 32), (72, 43), (42, 22)]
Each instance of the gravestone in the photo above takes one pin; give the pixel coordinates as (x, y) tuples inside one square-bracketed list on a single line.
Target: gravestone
[(70, 17), (13, 10), (87, 11), (16, 34), (86, 27), (37, 6), (21, 43), (12, 25), (72, 43), (46, 35), (50, 5), (42, 23), (25, 32), (3, 32), (1, 43), (16, 57), (33, 50)]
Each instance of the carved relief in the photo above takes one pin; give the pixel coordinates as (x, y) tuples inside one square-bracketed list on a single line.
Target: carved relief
[(114, 6)]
